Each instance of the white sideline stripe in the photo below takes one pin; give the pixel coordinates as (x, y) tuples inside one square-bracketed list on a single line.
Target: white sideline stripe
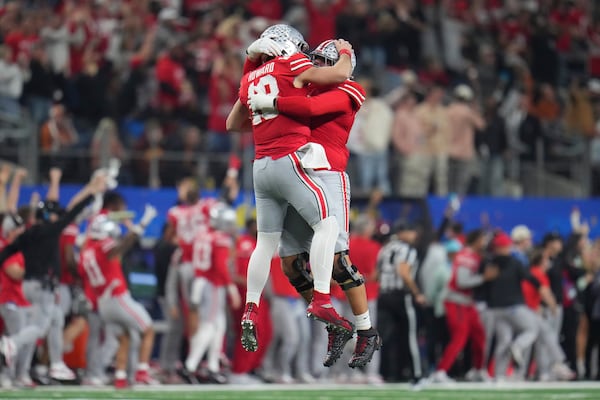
[(460, 386)]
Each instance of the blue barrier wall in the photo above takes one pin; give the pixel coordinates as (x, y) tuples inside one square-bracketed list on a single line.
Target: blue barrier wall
[(541, 215)]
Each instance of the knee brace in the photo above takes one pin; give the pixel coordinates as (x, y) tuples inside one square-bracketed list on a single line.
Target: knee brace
[(304, 281), (346, 274)]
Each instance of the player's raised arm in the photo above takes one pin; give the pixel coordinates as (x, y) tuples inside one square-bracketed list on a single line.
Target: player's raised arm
[(238, 118), (337, 73)]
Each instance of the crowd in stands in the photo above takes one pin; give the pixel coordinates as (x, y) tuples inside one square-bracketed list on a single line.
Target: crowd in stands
[(145, 80)]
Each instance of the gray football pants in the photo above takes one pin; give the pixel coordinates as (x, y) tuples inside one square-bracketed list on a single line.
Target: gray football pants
[(19, 326), (517, 319), (48, 316)]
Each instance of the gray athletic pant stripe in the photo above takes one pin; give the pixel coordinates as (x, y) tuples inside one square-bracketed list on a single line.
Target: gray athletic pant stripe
[(19, 326), (48, 316), (517, 319)]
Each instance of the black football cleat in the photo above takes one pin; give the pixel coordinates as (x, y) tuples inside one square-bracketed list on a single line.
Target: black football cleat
[(367, 343), (337, 339)]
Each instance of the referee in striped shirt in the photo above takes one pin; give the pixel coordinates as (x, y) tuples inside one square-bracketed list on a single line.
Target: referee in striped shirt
[(397, 269)]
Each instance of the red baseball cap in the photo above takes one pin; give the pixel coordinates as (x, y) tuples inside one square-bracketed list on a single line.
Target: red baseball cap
[(501, 239)]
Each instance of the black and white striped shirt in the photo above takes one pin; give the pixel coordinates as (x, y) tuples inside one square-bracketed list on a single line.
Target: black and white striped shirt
[(390, 257)]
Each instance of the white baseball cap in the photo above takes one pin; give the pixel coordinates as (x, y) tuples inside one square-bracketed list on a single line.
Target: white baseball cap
[(520, 232)]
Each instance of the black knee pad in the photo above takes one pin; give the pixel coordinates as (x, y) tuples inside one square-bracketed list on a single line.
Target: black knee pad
[(345, 274), (304, 281)]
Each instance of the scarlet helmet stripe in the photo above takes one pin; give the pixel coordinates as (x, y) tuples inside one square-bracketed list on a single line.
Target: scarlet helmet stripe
[(316, 189)]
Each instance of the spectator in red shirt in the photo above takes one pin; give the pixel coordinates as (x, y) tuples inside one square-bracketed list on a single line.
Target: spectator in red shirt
[(322, 15), (171, 78), (270, 9)]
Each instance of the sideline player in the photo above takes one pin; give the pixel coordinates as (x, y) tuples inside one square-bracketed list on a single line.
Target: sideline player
[(211, 287), (332, 110), (100, 259), (282, 177)]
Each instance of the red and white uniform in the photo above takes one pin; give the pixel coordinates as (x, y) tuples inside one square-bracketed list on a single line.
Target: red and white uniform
[(277, 135), (187, 221), (462, 316), (212, 251), (11, 291), (332, 110), (101, 271), (105, 276)]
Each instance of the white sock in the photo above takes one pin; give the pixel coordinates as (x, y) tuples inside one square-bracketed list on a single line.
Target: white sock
[(363, 321), (259, 265), (120, 374), (143, 367), (321, 253), (198, 345)]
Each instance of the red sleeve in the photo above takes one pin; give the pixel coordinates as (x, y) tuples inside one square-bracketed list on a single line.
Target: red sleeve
[(326, 103), (354, 91), (299, 63), (70, 234), (250, 65)]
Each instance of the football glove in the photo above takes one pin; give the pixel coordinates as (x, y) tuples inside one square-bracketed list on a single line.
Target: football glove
[(260, 102), (264, 46)]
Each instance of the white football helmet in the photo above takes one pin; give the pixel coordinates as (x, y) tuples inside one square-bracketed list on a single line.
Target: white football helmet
[(103, 228), (329, 53), (288, 37), (223, 218)]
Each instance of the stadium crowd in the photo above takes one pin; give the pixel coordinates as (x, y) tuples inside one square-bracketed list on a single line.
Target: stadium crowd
[(528, 312), (140, 80)]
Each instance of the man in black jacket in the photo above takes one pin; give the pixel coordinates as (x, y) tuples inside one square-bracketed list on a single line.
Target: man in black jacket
[(505, 299), (40, 247)]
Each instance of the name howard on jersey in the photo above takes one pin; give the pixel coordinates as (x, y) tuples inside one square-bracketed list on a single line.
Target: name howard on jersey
[(265, 69)]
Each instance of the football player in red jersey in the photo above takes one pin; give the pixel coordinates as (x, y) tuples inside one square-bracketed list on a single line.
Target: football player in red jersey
[(100, 260), (211, 287), (284, 158), (332, 110)]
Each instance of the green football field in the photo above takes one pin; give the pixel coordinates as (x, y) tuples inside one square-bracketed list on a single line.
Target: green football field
[(320, 392)]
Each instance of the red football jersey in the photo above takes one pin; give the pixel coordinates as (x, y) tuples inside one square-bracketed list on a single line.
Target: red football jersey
[(188, 221), (363, 253), (332, 110), (277, 135), (212, 251), (68, 237), (11, 291), (102, 272)]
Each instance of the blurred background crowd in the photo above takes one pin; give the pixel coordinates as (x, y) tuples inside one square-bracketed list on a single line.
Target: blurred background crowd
[(504, 93)]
